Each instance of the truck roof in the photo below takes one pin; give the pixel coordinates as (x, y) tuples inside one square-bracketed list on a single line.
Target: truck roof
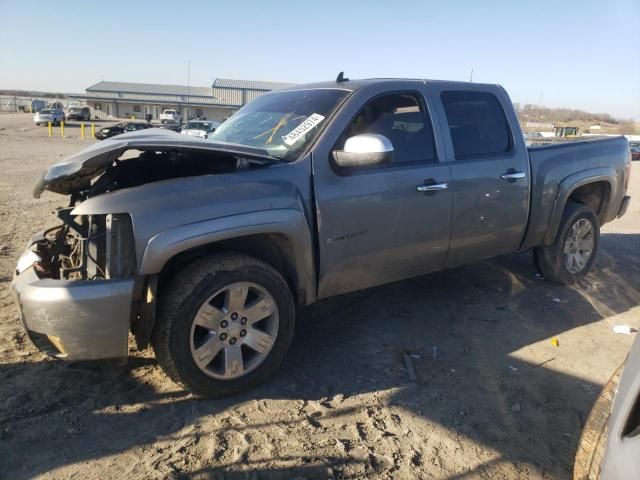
[(356, 84)]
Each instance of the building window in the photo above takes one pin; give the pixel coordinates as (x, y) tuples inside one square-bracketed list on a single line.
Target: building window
[(137, 109), (198, 112), (98, 106)]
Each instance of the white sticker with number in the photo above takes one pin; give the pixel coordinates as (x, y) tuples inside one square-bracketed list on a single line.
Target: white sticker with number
[(298, 132)]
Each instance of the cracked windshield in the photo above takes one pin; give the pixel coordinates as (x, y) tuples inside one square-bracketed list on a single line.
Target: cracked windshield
[(282, 123)]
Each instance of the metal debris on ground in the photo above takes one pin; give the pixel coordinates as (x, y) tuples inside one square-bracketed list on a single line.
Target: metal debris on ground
[(409, 365)]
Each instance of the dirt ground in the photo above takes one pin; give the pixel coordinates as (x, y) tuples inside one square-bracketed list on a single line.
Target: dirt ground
[(493, 397)]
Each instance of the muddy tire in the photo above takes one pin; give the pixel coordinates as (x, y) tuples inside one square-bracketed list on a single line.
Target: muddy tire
[(594, 435), (224, 324), (570, 257)]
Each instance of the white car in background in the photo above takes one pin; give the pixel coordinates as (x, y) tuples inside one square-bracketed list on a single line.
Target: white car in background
[(49, 115), (171, 116), (199, 128)]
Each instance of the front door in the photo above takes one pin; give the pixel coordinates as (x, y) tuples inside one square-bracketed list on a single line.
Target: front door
[(378, 225), (489, 177)]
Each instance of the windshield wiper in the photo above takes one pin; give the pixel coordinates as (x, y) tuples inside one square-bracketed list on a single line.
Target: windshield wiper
[(286, 118)]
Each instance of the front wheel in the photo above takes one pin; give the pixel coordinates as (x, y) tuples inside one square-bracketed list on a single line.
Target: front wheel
[(570, 257), (224, 324)]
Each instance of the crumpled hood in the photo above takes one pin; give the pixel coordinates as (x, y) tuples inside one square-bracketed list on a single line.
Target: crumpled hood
[(76, 172)]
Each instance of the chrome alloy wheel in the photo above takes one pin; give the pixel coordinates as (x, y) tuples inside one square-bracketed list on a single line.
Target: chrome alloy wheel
[(234, 330), (578, 246)]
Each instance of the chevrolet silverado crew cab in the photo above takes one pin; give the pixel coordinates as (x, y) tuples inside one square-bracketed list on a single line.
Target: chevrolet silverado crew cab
[(204, 249)]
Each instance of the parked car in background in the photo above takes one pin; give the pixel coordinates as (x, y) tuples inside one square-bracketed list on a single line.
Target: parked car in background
[(49, 115), (205, 249), (609, 448), (170, 115), (173, 126), (37, 105), (79, 113), (635, 150), (199, 128), (117, 129)]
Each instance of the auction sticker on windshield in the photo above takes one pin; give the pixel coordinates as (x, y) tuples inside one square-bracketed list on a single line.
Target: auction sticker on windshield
[(298, 132)]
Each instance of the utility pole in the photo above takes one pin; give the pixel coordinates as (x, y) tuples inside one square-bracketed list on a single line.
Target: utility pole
[(471, 76), (188, 86)]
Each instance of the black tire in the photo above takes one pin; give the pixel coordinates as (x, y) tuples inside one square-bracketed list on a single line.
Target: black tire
[(179, 302), (550, 260), (594, 435)]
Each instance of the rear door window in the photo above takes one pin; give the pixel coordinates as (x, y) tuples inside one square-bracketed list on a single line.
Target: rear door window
[(477, 123)]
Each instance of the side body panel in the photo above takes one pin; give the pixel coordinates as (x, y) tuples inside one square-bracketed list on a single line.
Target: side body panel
[(374, 227), (489, 213), (622, 453)]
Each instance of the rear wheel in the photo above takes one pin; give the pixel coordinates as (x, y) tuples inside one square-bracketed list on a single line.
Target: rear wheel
[(570, 257), (224, 325)]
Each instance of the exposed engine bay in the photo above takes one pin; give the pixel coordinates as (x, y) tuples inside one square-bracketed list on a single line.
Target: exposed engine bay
[(100, 247), (155, 166)]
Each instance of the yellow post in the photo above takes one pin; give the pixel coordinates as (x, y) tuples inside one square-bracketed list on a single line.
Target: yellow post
[(62, 129), (93, 130), (82, 130), (50, 130)]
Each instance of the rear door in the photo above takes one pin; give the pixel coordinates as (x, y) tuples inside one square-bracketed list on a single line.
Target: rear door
[(490, 177), (378, 225)]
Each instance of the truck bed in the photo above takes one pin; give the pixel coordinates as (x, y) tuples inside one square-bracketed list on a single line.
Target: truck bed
[(552, 167)]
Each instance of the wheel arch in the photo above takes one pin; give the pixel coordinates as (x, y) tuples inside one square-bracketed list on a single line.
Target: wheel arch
[(280, 238), (594, 188)]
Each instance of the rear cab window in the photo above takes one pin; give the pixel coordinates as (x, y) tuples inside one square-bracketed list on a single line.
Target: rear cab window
[(477, 123)]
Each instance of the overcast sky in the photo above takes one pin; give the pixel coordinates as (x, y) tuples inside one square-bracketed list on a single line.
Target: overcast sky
[(583, 54)]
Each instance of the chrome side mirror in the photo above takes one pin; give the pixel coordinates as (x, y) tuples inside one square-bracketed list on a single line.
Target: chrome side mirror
[(364, 150)]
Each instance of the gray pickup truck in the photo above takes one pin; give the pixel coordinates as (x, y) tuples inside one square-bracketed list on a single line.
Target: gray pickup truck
[(205, 248)]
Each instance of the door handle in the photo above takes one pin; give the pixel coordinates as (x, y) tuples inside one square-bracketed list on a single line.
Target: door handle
[(512, 175), (432, 187)]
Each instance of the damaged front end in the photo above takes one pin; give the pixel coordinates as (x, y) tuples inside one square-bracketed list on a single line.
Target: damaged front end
[(77, 284), (76, 289)]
